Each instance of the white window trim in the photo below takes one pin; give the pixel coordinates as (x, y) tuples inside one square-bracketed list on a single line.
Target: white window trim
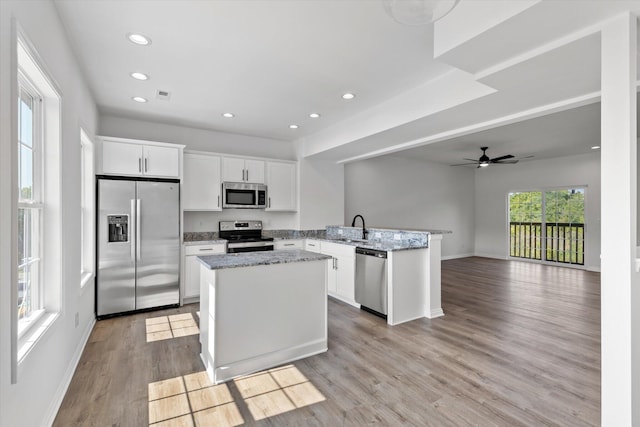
[(87, 243), (31, 64)]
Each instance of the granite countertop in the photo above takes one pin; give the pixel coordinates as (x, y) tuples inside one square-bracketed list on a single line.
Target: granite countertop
[(205, 242), (380, 245), (250, 259)]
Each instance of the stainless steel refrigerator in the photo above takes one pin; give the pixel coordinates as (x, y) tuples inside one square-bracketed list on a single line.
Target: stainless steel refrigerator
[(138, 245)]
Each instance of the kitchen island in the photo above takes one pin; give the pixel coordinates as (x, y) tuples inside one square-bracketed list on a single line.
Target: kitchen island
[(261, 309)]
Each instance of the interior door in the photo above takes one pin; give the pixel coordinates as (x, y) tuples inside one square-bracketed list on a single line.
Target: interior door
[(116, 286), (158, 252)]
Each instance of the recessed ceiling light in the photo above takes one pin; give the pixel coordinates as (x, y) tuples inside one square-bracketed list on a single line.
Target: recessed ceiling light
[(293, 126), (139, 76), (139, 39), (595, 147), (139, 99), (228, 115), (314, 115), (348, 96)]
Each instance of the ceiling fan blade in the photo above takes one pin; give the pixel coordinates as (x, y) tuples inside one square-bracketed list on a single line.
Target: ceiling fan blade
[(505, 162), (471, 160), (497, 159), (462, 164)]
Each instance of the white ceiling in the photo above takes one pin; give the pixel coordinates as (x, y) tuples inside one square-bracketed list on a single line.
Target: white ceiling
[(269, 62), (272, 62)]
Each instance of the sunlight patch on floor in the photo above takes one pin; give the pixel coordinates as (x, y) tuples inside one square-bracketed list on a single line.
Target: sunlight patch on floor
[(167, 327), (193, 401)]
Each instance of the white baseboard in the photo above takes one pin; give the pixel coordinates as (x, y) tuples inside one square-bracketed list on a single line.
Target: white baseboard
[(444, 258), (436, 313), (494, 256), (592, 268), (68, 375)]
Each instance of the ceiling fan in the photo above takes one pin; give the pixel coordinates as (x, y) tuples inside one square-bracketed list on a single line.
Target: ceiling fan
[(485, 160)]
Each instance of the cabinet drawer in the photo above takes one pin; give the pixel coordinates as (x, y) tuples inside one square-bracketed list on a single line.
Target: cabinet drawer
[(337, 249), (288, 244), (218, 248), (312, 246)]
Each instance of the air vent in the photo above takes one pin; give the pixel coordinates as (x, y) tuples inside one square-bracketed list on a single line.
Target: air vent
[(163, 94)]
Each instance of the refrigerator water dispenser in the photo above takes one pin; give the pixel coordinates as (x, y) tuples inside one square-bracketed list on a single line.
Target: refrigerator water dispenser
[(118, 228)]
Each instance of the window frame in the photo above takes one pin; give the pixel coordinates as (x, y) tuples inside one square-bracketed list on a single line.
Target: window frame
[(36, 202)]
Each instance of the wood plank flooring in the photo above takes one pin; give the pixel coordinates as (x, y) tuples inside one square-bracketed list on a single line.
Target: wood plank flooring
[(519, 345)]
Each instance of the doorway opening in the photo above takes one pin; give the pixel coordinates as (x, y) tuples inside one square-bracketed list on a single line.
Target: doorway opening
[(547, 225)]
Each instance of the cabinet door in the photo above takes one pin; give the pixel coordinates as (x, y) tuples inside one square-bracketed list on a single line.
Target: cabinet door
[(254, 171), (345, 280), (191, 287), (161, 161), (232, 169), (201, 183), (332, 277), (281, 186), (120, 158)]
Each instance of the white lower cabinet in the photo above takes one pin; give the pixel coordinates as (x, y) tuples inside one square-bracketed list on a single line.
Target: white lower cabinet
[(288, 244), (190, 291), (312, 246), (342, 271)]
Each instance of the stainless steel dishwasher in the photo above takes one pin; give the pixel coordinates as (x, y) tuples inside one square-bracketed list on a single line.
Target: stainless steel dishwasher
[(371, 280)]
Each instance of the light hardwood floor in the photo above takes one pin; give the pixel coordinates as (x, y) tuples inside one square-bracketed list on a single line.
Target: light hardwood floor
[(519, 345)]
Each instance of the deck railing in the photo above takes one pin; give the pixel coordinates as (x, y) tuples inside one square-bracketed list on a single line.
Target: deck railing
[(564, 242)]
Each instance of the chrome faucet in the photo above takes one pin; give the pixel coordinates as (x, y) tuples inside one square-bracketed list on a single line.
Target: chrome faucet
[(364, 231)]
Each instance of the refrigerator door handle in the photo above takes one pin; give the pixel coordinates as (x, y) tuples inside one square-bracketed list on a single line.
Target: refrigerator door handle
[(132, 232), (138, 242)]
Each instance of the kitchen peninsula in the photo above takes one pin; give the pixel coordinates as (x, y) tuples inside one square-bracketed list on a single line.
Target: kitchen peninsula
[(261, 309)]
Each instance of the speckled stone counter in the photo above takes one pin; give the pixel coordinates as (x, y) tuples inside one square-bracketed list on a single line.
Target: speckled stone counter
[(251, 259)]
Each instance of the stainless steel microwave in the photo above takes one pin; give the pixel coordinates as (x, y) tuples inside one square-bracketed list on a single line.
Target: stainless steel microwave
[(240, 195)]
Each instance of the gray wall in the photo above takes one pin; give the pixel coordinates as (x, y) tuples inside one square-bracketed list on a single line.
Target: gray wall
[(494, 183), (396, 192)]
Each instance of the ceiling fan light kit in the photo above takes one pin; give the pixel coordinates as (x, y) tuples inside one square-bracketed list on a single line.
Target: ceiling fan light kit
[(485, 160)]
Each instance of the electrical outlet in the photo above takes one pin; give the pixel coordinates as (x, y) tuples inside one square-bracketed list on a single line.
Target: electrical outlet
[(340, 231), (77, 319), (397, 236)]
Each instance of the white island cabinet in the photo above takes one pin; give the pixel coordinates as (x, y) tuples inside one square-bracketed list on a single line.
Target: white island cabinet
[(259, 310), (190, 289)]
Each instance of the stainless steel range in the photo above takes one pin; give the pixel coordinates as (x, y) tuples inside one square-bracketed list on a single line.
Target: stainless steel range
[(244, 236)]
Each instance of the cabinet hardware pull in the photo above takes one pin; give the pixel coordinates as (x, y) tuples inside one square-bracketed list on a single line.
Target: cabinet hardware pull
[(336, 263), (206, 249), (289, 244), (139, 164), (247, 174), (146, 169), (218, 201), (269, 201)]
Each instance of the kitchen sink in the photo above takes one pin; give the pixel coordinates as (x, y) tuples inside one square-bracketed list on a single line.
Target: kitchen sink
[(346, 240)]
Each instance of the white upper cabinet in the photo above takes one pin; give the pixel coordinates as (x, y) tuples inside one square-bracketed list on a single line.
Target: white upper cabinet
[(201, 184), (140, 158), (281, 186), (237, 169)]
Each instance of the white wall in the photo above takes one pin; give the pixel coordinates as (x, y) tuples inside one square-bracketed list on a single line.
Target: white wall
[(208, 221), (196, 139), (396, 192), (321, 193), (46, 369), (494, 183)]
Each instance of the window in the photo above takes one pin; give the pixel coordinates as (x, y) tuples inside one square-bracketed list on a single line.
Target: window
[(38, 259), (547, 225), (87, 204), (30, 204)]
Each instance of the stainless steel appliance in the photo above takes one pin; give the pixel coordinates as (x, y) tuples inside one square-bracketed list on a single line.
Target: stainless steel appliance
[(244, 195), (244, 236), (138, 245), (371, 281)]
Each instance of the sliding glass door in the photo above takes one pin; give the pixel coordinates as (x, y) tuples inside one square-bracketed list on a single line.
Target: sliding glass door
[(547, 225)]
